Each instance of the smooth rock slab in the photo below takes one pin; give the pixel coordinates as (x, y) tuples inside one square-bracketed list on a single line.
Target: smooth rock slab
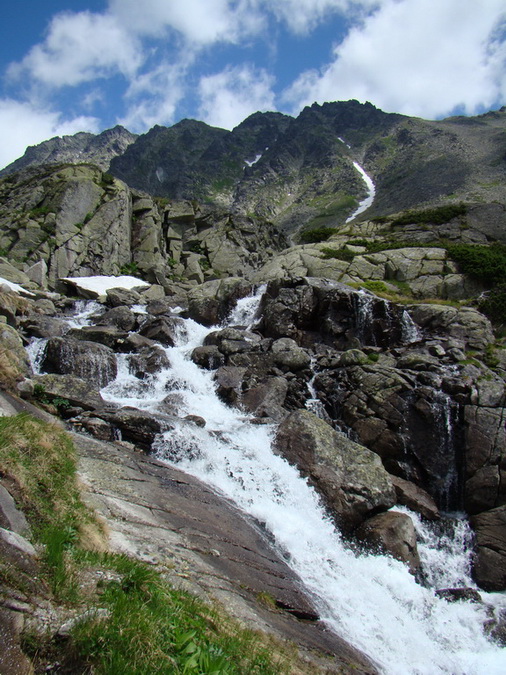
[(160, 514)]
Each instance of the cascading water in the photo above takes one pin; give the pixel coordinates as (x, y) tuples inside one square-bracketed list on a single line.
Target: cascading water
[(82, 312), (372, 601)]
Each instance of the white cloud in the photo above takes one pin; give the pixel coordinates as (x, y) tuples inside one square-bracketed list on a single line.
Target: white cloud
[(22, 125), (200, 22), (416, 57), (302, 16), (153, 97), (227, 98), (80, 47)]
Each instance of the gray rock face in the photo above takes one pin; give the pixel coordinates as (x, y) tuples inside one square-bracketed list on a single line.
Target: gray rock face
[(490, 564), (309, 309), (351, 478)]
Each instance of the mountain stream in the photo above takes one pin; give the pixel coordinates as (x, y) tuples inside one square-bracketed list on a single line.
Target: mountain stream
[(370, 600)]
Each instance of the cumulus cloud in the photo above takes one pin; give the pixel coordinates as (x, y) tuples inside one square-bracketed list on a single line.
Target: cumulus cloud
[(302, 16), (230, 96), (416, 57), (199, 22), (80, 47), (152, 98), (22, 125)]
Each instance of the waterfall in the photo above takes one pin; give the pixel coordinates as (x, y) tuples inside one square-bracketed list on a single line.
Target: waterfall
[(313, 403), (81, 315), (370, 600), (446, 417), (364, 328), (409, 330)]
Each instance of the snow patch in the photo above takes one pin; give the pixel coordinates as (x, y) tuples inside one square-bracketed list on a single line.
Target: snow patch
[(101, 284), (365, 203), (253, 161), (16, 288)]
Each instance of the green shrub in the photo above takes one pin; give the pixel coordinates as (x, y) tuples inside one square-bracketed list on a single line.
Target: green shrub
[(375, 286), (493, 305), (485, 263), (130, 269), (337, 253), (439, 215), (316, 235), (40, 211), (107, 179)]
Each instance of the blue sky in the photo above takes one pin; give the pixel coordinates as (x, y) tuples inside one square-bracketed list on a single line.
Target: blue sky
[(86, 65)]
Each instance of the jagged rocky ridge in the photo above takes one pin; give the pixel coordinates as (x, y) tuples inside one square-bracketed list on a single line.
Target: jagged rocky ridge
[(410, 397), (299, 172)]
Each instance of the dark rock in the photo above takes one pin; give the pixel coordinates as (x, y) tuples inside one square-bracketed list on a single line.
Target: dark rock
[(117, 297), (90, 361), (458, 594), (267, 399), (288, 356), (96, 427), (110, 336), (208, 356), (121, 317), (147, 361), (485, 442), (229, 380), (137, 426), (136, 342), (44, 326), (490, 561), (210, 302), (162, 329), (392, 533), (410, 495), (195, 419)]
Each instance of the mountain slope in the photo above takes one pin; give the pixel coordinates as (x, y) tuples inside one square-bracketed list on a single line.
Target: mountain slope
[(300, 172), (80, 148)]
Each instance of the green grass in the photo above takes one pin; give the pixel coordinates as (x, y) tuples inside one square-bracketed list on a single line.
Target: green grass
[(150, 627)]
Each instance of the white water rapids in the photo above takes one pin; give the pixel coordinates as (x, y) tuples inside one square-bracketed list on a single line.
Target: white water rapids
[(372, 601)]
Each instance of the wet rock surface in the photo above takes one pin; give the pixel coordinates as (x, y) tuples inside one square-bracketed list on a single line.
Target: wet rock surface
[(350, 477), (160, 514)]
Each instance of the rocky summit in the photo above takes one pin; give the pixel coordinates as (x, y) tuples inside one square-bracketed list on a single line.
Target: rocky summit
[(376, 356)]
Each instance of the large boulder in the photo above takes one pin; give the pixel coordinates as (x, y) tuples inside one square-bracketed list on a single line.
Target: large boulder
[(162, 329), (392, 533), (267, 399), (90, 361), (466, 324), (77, 391), (210, 302), (137, 426), (350, 477)]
